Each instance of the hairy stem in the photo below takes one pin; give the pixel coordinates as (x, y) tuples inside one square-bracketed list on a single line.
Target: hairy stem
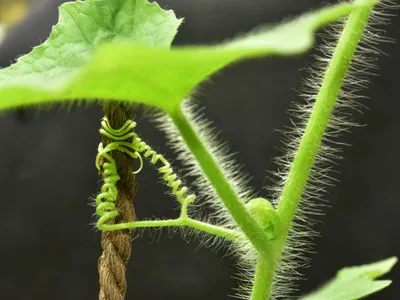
[(320, 115), (216, 177), (314, 131), (309, 145), (264, 276)]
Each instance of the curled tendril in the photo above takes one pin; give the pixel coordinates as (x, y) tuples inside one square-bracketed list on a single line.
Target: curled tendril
[(169, 176), (106, 200)]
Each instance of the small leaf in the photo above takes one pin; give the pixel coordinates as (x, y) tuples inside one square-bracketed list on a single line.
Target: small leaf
[(141, 68), (355, 282)]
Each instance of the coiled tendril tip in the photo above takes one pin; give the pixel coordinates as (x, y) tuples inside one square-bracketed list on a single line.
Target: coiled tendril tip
[(106, 207)]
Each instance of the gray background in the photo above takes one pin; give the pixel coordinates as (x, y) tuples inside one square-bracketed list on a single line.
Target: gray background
[(49, 249)]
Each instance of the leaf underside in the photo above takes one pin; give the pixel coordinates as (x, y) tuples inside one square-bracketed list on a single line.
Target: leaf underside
[(355, 282), (120, 50)]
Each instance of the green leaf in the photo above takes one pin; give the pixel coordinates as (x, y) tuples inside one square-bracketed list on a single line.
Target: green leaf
[(139, 67), (355, 282), (82, 28)]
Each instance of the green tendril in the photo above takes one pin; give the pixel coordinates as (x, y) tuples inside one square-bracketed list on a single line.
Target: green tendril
[(106, 208)]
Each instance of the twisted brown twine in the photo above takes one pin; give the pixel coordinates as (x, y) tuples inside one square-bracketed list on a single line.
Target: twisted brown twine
[(117, 244)]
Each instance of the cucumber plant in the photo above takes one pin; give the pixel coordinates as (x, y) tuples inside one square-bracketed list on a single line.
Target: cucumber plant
[(118, 53)]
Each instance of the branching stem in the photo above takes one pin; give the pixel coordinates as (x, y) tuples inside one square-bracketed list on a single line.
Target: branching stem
[(310, 142), (320, 115)]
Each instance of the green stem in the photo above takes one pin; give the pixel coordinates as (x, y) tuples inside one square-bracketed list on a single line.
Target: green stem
[(320, 114), (310, 143), (224, 190), (263, 278)]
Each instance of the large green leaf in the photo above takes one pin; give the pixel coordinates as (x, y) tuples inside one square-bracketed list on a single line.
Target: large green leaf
[(139, 67), (82, 28), (355, 282)]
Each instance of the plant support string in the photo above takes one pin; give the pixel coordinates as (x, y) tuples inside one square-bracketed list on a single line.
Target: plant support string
[(119, 192)]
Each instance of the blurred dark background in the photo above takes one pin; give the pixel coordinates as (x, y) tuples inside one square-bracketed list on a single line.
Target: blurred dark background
[(49, 249)]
